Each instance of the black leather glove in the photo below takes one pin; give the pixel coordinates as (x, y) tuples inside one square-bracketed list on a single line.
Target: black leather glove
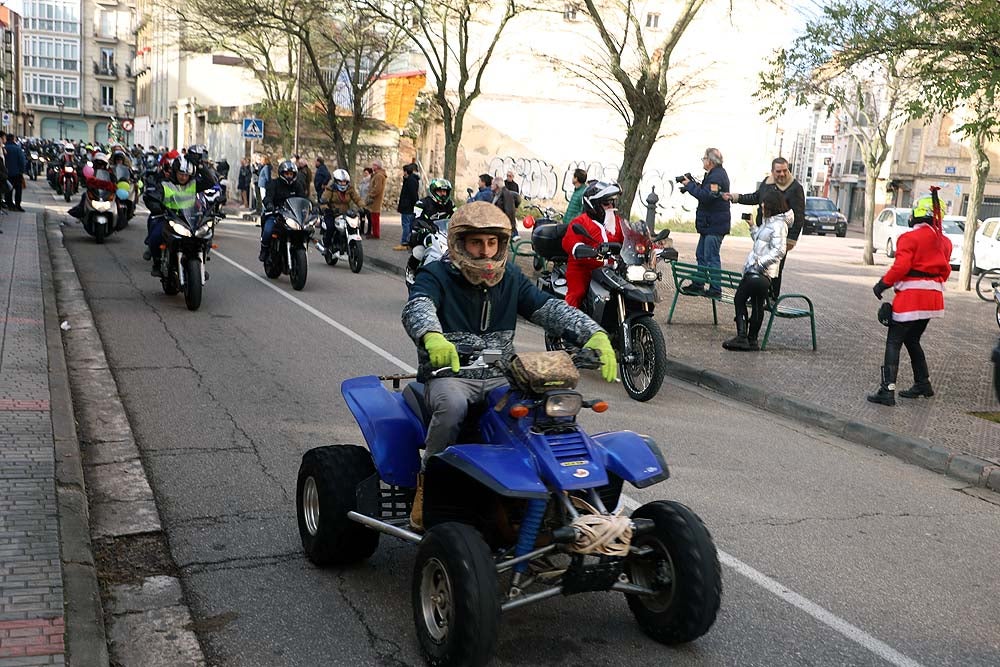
[(879, 288)]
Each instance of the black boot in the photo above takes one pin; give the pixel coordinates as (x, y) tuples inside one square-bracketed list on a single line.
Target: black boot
[(155, 272), (263, 253), (886, 394), (739, 342), (919, 388)]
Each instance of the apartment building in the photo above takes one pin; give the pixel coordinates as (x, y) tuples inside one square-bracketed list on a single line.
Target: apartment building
[(76, 74), (812, 151)]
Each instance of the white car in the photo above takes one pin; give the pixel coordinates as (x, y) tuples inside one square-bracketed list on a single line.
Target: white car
[(892, 223), (987, 248)]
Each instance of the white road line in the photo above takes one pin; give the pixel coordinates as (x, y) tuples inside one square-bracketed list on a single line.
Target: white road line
[(391, 358), (851, 632)]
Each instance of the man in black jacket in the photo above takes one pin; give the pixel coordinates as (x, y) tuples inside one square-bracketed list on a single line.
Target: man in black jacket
[(278, 191), (779, 179), (409, 193)]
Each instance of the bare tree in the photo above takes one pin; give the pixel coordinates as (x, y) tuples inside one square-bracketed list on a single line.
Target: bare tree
[(457, 39)]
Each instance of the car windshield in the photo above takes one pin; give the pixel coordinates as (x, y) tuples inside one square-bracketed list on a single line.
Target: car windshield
[(820, 205), (951, 226)]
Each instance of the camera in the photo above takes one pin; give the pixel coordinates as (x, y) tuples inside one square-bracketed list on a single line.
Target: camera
[(745, 216), (680, 179)]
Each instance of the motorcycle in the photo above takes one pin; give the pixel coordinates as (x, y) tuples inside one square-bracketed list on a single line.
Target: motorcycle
[(345, 242), (100, 210), (293, 230), (36, 165), (187, 246), (428, 243), (621, 297), (68, 181), (519, 510)]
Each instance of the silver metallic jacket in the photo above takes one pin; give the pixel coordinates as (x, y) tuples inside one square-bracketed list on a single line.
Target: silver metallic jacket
[(768, 245)]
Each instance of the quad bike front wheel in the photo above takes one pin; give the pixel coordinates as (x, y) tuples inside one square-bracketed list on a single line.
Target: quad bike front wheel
[(642, 372), (325, 492), (456, 599), (683, 569)]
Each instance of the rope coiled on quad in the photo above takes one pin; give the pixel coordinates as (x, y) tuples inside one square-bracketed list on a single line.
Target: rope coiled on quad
[(601, 534)]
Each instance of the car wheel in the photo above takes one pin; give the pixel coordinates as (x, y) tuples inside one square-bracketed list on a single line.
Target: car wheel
[(890, 252)]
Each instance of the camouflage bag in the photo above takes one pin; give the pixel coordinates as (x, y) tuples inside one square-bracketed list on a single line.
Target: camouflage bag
[(541, 371)]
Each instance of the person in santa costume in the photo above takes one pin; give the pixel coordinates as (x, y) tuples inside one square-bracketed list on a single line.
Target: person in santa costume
[(602, 224), (917, 276)]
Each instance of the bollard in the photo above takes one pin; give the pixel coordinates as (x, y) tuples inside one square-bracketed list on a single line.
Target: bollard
[(651, 201)]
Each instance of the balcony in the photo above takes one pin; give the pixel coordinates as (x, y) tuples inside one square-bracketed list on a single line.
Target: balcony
[(105, 36), (108, 70), (129, 74)]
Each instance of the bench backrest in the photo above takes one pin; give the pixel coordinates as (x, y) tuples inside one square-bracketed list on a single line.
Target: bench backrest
[(702, 274)]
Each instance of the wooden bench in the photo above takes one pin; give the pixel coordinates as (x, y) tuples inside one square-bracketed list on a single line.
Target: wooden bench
[(729, 281)]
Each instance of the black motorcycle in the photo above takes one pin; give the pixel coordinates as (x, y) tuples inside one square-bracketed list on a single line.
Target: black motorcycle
[(345, 242), (36, 164), (187, 246), (100, 208), (621, 298), (293, 229)]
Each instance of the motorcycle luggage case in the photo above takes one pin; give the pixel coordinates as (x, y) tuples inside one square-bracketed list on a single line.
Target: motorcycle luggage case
[(547, 241)]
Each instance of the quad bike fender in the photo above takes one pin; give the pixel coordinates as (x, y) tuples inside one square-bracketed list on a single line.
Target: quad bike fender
[(393, 433), (502, 469), (633, 457)]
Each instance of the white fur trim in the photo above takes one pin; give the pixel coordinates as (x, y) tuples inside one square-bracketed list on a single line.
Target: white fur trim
[(920, 283)]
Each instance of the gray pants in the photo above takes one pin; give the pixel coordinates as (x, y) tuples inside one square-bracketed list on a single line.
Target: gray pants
[(449, 400)]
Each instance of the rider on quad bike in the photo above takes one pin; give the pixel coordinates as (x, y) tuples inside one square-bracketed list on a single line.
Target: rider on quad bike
[(473, 296)]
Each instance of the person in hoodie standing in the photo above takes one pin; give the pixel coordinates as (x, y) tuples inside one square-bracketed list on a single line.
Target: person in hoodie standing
[(760, 269), (779, 179), (17, 163), (409, 193), (712, 217)]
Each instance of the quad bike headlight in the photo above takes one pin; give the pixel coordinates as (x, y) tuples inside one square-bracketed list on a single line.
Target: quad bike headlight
[(563, 404)]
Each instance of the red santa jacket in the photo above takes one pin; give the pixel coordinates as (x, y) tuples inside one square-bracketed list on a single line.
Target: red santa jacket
[(919, 273), (598, 232)]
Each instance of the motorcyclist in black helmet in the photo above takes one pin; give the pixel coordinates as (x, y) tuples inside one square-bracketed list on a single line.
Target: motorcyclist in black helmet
[(278, 191)]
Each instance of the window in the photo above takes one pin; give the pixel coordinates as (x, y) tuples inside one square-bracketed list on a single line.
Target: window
[(106, 23), (913, 152), (46, 89), (108, 96), (652, 20), (569, 12), (44, 52), (107, 61), (52, 15)]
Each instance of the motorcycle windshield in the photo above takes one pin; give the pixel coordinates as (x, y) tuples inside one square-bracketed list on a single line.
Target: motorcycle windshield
[(101, 184), (122, 173), (298, 208), (636, 243)]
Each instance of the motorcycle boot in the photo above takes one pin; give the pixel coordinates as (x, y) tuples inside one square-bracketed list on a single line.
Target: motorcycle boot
[(263, 252), (886, 394), (921, 378), (740, 342), (417, 511), (155, 271)]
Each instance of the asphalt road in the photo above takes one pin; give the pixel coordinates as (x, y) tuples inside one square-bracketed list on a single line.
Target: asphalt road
[(833, 554)]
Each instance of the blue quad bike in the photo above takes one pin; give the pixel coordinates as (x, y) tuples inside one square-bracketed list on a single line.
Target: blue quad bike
[(516, 512)]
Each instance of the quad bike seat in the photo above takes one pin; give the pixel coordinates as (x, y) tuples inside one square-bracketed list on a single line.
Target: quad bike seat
[(413, 394)]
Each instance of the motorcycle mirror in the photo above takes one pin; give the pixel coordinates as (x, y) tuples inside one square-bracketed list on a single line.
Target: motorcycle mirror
[(352, 214), (469, 190), (662, 235), (528, 222)]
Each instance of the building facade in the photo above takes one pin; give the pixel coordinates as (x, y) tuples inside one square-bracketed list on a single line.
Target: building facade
[(812, 152), (75, 57)]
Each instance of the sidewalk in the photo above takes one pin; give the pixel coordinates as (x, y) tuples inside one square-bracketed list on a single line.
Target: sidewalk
[(45, 560), (827, 388)]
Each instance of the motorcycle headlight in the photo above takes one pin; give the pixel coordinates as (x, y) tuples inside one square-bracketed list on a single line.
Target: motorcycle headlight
[(69, 170), (179, 229), (101, 205), (563, 405), (639, 274), (291, 224), (206, 229)]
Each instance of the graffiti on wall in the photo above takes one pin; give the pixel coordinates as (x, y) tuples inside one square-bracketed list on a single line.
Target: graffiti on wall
[(538, 179)]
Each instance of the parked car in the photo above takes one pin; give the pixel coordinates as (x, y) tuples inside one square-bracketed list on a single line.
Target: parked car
[(987, 247), (892, 223), (823, 216)]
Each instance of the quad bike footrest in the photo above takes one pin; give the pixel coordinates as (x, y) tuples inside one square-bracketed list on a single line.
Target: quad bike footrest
[(384, 501), (584, 578)]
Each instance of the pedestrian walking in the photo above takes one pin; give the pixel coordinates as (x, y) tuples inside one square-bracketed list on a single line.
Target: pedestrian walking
[(17, 164), (917, 276), (711, 218)]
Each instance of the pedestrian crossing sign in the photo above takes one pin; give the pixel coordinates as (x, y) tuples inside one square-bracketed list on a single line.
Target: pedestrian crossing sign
[(253, 129)]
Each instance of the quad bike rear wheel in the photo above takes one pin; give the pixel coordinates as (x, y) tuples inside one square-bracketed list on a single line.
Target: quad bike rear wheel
[(683, 569), (325, 492)]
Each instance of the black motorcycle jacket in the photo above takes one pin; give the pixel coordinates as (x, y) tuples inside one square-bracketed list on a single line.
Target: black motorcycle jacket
[(430, 209), (278, 191)]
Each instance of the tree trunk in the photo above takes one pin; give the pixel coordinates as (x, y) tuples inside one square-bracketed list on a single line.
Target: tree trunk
[(980, 171), (453, 125), (871, 182), (639, 140)]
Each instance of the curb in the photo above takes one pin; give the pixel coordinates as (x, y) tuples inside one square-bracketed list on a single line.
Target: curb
[(86, 640), (964, 467), (120, 503)]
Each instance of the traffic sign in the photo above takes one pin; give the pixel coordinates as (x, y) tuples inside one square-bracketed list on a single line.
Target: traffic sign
[(253, 129), (6, 119), (127, 125)]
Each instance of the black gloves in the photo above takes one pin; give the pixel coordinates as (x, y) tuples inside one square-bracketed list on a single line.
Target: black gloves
[(879, 288)]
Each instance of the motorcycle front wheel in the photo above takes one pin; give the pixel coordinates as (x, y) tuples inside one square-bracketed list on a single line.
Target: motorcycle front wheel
[(299, 269), (66, 195), (192, 283), (99, 232), (355, 256), (642, 368), (272, 263)]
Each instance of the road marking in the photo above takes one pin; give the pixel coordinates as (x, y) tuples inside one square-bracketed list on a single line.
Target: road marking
[(831, 620), (391, 358)]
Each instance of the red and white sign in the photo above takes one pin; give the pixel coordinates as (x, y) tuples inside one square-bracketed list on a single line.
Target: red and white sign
[(127, 125)]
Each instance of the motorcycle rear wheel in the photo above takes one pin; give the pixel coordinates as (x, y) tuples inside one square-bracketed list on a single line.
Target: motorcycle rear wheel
[(299, 269), (355, 256), (643, 376), (192, 284)]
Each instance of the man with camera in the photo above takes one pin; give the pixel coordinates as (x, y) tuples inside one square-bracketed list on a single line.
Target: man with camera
[(712, 216), (779, 179)]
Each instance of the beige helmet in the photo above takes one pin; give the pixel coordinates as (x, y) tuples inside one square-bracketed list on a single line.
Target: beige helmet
[(479, 218)]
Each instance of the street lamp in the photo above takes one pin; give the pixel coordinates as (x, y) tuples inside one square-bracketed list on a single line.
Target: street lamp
[(60, 103)]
